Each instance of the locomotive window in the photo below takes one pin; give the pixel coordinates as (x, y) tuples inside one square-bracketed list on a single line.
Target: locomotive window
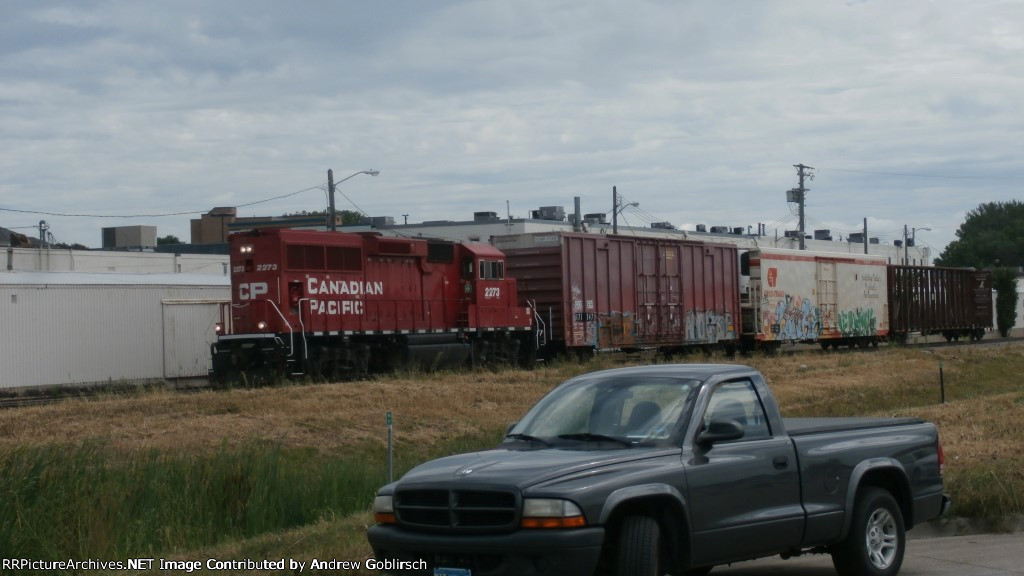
[(492, 270), (305, 257), (345, 258), (467, 268)]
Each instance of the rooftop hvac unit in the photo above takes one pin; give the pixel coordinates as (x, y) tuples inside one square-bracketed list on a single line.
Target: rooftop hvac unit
[(898, 243), (719, 229), (855, 238), (485, 217), (595, 218), (549, 213), (792, 234), (873, 240), (738, 230), (381, 221), (663, 225), (822, 234), (702, 227)]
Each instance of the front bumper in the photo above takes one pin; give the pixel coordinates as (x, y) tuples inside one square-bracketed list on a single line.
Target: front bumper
[(521, 553)]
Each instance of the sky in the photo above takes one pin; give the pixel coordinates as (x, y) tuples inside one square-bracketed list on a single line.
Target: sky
[(125, 113)]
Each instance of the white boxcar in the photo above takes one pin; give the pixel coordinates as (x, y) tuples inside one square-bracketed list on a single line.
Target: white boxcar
[(800, 296), (74, 328)]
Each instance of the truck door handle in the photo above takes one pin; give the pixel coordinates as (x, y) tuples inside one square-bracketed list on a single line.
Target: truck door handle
[(781, 462)]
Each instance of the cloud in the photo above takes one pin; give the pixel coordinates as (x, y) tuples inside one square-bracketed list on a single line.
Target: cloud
[(696, 110)]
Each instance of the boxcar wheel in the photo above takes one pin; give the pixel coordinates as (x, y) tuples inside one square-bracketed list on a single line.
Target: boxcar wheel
[(876, 542), (639, 552)]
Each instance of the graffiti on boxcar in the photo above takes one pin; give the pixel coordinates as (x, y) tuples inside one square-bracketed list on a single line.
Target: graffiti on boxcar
[(789, 317), (859, 322), (584, 321), (709, 326)]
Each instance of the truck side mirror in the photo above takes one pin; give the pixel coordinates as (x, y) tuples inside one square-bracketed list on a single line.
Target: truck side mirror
[(720, 431)]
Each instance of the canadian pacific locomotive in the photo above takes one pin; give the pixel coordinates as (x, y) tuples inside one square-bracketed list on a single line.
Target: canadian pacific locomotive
[(341, 305)]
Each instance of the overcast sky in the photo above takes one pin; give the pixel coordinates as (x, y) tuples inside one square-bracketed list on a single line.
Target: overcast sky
[(912, 112)]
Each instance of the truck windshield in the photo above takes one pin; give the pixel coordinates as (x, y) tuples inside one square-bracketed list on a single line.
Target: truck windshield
[(618, 411)]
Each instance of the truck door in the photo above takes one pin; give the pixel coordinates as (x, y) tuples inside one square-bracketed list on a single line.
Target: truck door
[(744, 495)]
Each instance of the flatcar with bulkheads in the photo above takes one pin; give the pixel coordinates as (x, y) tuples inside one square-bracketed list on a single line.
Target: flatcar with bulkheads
[(337, 305)]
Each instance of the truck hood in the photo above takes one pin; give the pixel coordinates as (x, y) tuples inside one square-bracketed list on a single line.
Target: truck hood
[(524, 468)]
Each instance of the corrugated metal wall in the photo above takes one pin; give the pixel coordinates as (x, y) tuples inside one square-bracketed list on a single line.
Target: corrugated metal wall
[(72, 334)]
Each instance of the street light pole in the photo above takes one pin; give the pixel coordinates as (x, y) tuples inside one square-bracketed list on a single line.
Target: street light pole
[(913, 240), (331, 184)]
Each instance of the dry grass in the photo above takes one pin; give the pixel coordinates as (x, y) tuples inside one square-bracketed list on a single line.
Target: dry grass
[(432, 407)]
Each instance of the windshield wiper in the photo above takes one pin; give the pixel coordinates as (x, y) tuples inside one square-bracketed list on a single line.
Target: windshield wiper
[(591, 437), (528, 438)]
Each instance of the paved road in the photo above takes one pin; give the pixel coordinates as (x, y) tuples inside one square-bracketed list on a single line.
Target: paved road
[(978, 555)]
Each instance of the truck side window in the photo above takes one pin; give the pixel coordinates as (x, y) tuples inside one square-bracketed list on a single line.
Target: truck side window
[(738, 401)]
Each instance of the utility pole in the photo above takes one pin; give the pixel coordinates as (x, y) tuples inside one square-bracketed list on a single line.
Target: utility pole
[(615, 211), (799, 195), (906, 251), (406, 216), (865, 235), (330, 189)]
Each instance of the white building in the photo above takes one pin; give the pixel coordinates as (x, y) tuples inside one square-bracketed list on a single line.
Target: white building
[(77, 328)]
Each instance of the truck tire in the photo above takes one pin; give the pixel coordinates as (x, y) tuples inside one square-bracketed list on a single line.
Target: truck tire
[(877, 540), (639, 552)]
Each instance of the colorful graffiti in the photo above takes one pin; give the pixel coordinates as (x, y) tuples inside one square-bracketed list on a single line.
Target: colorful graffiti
[(859, 322), (790, 317), (709, 326)]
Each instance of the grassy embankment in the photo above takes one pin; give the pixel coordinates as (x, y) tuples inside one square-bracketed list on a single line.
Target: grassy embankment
[(289, 472)]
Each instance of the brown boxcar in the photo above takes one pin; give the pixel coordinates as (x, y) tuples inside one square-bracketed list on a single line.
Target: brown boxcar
[(954, 302), (604, 292)]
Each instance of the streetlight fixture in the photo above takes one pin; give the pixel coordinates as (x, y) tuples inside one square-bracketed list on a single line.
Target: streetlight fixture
[(913, 241), (330, 188)]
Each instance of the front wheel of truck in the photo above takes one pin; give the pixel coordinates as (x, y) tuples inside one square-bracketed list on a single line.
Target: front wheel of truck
[(639, 552), (877, 541)]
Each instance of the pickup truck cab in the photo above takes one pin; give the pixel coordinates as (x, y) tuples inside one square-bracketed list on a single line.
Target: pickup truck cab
[(650, 470)]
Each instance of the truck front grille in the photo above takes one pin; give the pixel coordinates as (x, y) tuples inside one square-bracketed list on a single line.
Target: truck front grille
[(463, 510)]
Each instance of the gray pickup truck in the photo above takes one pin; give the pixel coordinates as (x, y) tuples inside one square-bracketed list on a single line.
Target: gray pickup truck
[(667, 469)]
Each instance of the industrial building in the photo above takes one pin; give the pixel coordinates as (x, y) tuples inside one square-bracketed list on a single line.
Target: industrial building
[(78, 328)]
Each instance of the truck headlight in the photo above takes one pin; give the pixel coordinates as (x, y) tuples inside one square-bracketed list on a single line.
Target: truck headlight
[(384, 510), (551, 513)]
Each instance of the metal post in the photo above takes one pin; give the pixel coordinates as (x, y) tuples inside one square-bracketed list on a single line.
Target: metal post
[(391, 451), (615, 211), (330, 191), (905, 246), (942, 384)]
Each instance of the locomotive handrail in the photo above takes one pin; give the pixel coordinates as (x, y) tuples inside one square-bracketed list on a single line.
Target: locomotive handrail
[(291, 333), (305, 346), (541, 338)]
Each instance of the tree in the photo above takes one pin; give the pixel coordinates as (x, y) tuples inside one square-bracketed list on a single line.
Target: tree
[(169, 239), (1004, 281), (991, 235)]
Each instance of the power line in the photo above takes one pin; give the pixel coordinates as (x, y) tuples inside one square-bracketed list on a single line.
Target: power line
[(913, 175), (66, 215)]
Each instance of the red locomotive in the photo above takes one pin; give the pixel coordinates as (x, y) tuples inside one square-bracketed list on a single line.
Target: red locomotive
[(337, 304)]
